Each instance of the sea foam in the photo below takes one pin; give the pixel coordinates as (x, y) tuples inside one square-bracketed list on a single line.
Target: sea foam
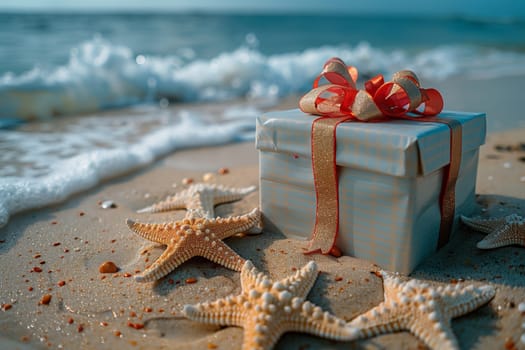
[(86, 169), (101, 75)]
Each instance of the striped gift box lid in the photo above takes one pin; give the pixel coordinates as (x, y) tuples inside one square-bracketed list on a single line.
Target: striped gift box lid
[(395, 147)]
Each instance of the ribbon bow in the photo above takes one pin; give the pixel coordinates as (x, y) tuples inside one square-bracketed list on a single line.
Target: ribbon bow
[(340, 101), (378, 100)]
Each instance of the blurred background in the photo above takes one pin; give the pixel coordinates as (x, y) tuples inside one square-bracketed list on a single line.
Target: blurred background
[(61, 57)]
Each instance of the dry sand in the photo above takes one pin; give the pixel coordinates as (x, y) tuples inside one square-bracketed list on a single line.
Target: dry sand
[(91, 310)]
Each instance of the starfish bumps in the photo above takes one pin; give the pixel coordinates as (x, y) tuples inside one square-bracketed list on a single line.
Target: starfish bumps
[(194, 237), (423, 310), (267, 309), (502, 232), (199, 199), (199, 234)]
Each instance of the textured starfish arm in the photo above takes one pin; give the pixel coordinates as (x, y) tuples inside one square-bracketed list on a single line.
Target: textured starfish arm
[(201, 205), (226, 227), (461, 300), (222, 254), (259, 334), (379, 320), (159, 233), (223, 194), (507, 234), (314, 321), (222, 312), (168, 204), (248, 276), (435, 332), (303, 280), (167, 262), (483, 225)]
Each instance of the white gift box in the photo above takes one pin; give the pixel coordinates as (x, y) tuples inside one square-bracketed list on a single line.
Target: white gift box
[(390, 176)]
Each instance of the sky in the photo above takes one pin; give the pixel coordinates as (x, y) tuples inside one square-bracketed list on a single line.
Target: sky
[(471, 8)]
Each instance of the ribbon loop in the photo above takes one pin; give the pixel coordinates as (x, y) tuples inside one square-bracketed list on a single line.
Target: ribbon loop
[(392, 99), (340, 101)]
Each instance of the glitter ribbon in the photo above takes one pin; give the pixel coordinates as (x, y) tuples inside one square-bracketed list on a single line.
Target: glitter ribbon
[(339, 101)]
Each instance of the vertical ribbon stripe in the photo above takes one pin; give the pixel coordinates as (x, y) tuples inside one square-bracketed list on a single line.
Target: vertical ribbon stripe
[(447, 195), (326, 184), (447, 198)]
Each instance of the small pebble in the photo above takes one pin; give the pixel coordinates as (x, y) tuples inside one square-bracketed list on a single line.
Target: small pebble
[(135, 325), (6, 307), (61, 283), (187, 181), (223, 171), (109, 204), (46, 299), (37, 269), (507, 165), (191, 280), (503, 148), (108, 267), (208, 177), (521, 307)]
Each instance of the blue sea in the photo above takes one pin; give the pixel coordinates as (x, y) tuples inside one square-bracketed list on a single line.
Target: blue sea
[(70, 63), (61, 73)]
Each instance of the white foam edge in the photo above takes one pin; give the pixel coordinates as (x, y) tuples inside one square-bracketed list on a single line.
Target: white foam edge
[(86, 170)]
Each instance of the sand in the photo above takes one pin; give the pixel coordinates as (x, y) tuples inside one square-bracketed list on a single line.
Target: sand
[(68, 242), (93, 310)]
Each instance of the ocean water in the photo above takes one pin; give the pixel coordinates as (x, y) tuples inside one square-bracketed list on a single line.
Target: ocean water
[(60, 74)]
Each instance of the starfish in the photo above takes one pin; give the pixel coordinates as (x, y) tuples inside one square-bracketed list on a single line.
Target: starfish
[(501, 232), (194, 237), (267, 309), (199, 199), (423, 310)]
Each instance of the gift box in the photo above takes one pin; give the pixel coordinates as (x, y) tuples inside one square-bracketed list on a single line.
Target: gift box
[(390, 178)]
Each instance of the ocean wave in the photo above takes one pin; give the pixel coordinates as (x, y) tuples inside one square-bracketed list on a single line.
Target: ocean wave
[(92, 165), (101, 75)]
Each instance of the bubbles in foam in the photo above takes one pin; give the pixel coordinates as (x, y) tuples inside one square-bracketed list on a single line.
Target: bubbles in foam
[(101, 75), (91, 157)]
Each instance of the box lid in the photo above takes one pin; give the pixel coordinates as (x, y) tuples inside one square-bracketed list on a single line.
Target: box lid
[(396, 147)]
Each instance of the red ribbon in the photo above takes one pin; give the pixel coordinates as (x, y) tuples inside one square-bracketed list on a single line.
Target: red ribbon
[(340, 101)]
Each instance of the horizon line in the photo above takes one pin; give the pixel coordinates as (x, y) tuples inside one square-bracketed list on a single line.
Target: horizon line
[(246, 11)]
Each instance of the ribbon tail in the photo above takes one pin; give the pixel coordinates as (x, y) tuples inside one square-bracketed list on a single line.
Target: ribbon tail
[(447, 199), (324, 168), (447, 196)]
